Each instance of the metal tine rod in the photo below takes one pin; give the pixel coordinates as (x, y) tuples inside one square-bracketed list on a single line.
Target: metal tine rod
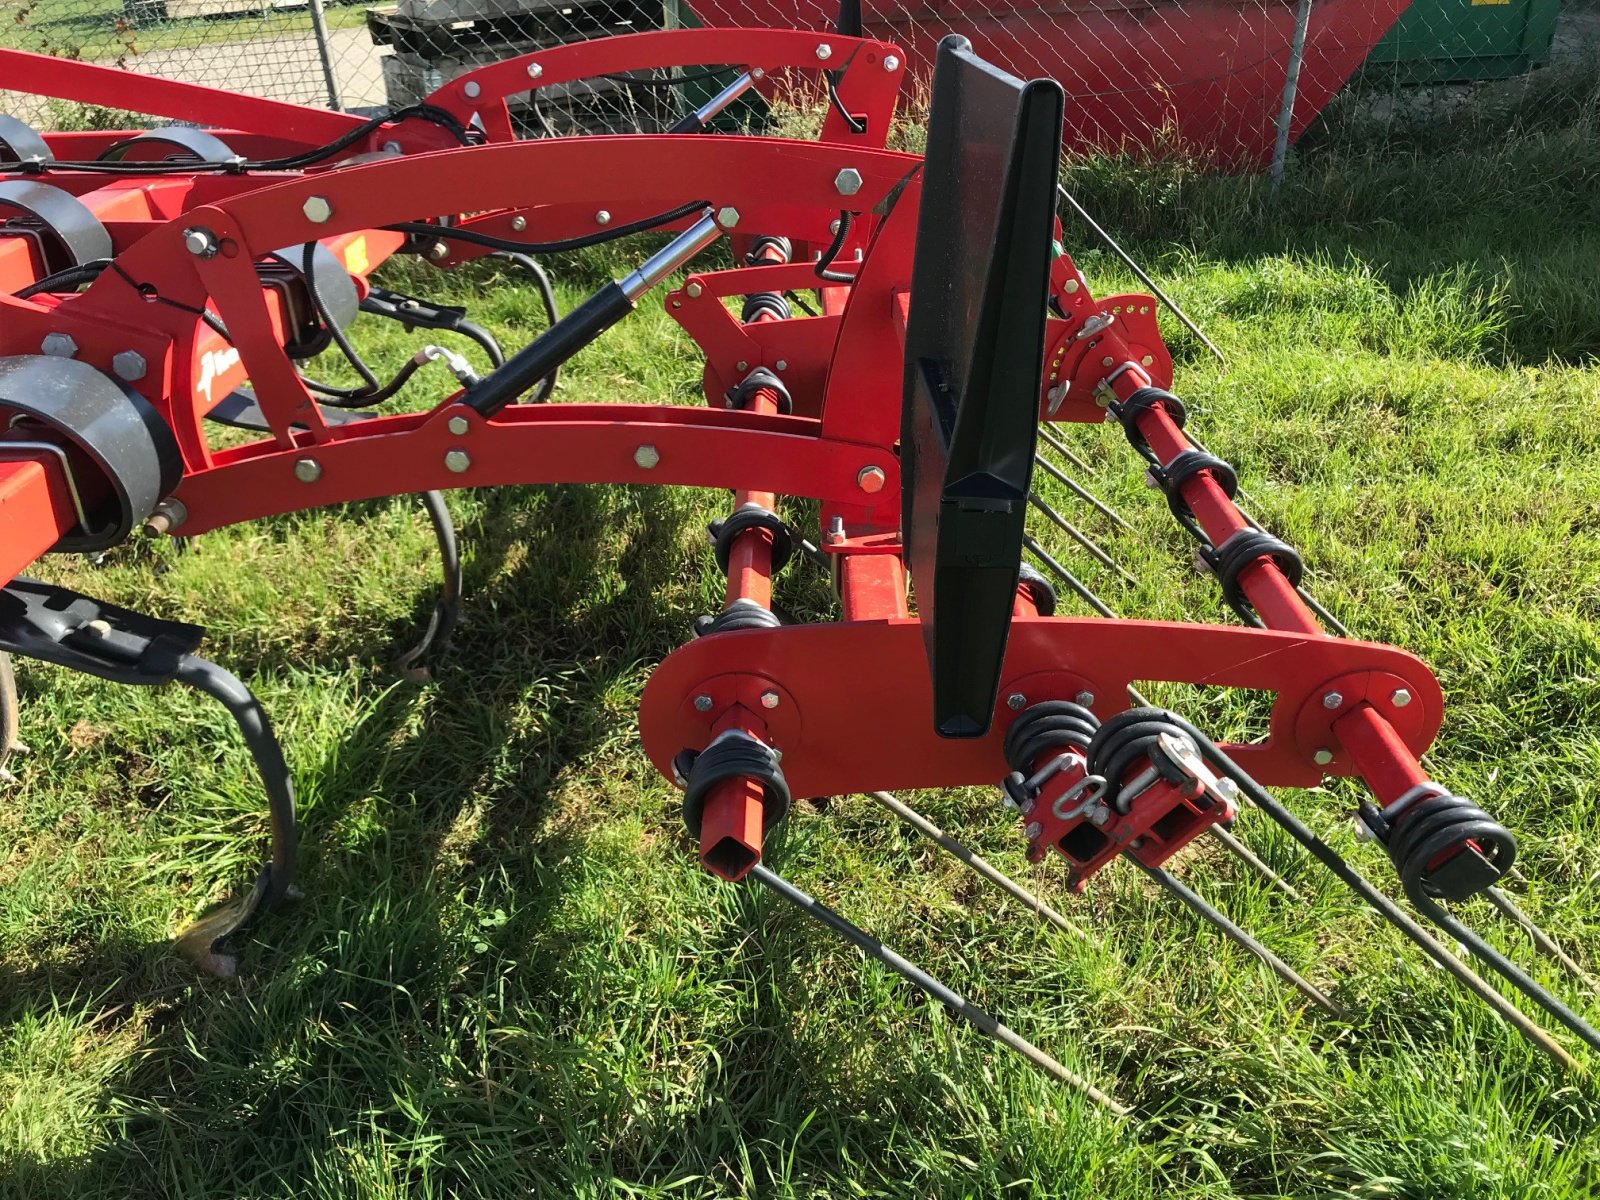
[(1541, 939), (1068, 578), (1083, 539), (1064, 450), (1144, 278), (1232, 931), (977, 863), (1080, 491), (1385, 907), (1243, 852), (931, 987)]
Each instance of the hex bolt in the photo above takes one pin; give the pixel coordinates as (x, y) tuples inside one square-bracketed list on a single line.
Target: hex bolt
[(317, 210), (1033, 830), (1332, 700), (603, 217), (693, 291), (780, 365), (456, 461), (871, 480), (1085, 698), (307, 470), (646, 457), (1323, 756), (1149, 360), (770, 699), (518, 224), (1400, 697), (727, 216), (702, 703), (1107, 361), (1070, 287), (836, 531), (847, 182), (201, 243), (392, 147), (458, 426), (1015, 701), (59, 345), (824, 52), (168, 515), (535, 70), (472, 89), (438, 252), (128, 365), (891, 63), (99, 628), (741, 365)]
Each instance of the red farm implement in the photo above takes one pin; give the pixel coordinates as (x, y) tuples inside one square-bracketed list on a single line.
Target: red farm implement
[(158, 285)]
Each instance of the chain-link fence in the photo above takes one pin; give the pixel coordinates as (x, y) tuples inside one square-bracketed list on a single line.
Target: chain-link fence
[(1229, 79)]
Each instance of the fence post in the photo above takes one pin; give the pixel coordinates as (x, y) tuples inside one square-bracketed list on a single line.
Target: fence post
[(1291, 87), (319, 29)]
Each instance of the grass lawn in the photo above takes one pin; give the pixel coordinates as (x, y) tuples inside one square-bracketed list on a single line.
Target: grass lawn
[(509, 978)]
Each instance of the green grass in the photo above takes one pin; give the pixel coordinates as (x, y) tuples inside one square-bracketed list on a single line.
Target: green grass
[(509, 978)]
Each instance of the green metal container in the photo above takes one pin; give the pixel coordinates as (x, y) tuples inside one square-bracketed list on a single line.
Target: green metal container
[(1463, 41)]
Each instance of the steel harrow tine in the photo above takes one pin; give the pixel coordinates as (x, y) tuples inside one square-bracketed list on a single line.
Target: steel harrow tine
[(1064, 450), (977, 863), (1083, 539), (413, 664), (929, 986), (1239, 850), (1236, 935), (1068, 578), (1382, 904), (1081, 492), (1541, 939), (1144, 278)]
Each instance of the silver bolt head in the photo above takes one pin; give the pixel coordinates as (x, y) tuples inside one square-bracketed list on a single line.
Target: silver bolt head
[(128, 365), (59, 345), (727, 216), (472, 89), (693, 291), (535, 70), (891, 63), (201, 243), (1332, 700), (1085, 698), (456, 461), (780, 365), (1149, 360), (770, 699), (1400, 697), (1033, 830), (1322, 757), (741, 365), (1070, 287), (317, 210), (307, 470), (457, 425), (824, 52), (438, 252), (702, 703), (518, 224), (871, 480), (1015, 701), (646, 457), (603, 217), (847, 182)]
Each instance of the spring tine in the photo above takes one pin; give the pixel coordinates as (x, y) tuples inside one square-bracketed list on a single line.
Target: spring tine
[(413, 664), (931, 987), (1231, 931), (1068, 578), (977, 863), (1244, 853), (1145, 279), (1540, 938), (1083, 539), (1385, 907), (1078, 490), (1064, 450)]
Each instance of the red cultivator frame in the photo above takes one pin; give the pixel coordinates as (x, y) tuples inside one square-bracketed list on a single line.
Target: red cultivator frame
[(154, 285)]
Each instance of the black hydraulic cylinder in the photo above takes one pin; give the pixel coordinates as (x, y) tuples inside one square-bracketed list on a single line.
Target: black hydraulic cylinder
[(524, 369)]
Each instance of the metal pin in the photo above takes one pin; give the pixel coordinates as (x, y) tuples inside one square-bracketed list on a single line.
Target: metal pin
[(1083, 539), (1064, 450), (1078, 490)]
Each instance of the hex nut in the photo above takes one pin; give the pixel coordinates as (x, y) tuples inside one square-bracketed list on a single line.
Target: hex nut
[(646, 457), (1332, 701), (1015, 701), (317, 210), (770, 699), (458, 426), (128, 365), (59, 345), (727, 216), (1322, 757), (1400, 697), (847, 182), (456, 461), (307, 470), (871, 479)]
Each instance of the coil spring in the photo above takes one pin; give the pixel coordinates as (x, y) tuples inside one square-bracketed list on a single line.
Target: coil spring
[(1049, 726), (1434, 823), (1127, 738), (741, 614), (733, 755)]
